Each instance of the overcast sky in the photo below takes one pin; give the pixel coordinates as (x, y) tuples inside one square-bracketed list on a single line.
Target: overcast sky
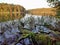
[(28, 4)]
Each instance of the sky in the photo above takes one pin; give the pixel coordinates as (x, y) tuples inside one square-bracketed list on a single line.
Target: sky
[(28, 4)]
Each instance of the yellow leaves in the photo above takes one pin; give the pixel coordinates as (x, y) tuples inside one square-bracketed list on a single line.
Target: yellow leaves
[(43, 11), (10, 12)]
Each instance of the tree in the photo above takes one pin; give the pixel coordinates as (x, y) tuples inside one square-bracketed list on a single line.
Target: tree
[(54, 3)]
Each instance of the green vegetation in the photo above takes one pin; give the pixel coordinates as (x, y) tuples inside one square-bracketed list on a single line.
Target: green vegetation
[(38, 38)]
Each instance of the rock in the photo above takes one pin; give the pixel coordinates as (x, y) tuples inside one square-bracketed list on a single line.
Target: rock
[(45, 30), (2, 38), (27, 41), (18, 44), (27, 26)]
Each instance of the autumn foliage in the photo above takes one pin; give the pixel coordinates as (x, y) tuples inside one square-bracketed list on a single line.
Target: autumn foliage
[(42, 11), (11, 12)]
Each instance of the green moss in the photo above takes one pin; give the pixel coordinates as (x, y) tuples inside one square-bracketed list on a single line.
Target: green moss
[(25, 31), (43, 38), (57, 43), (57, 32), (58, 13)]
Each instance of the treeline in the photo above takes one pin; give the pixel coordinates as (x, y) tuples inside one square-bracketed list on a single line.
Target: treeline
[(44, 11), (11, 12)]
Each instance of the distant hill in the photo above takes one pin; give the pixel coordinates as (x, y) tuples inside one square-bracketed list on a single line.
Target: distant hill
[(42, 11)]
